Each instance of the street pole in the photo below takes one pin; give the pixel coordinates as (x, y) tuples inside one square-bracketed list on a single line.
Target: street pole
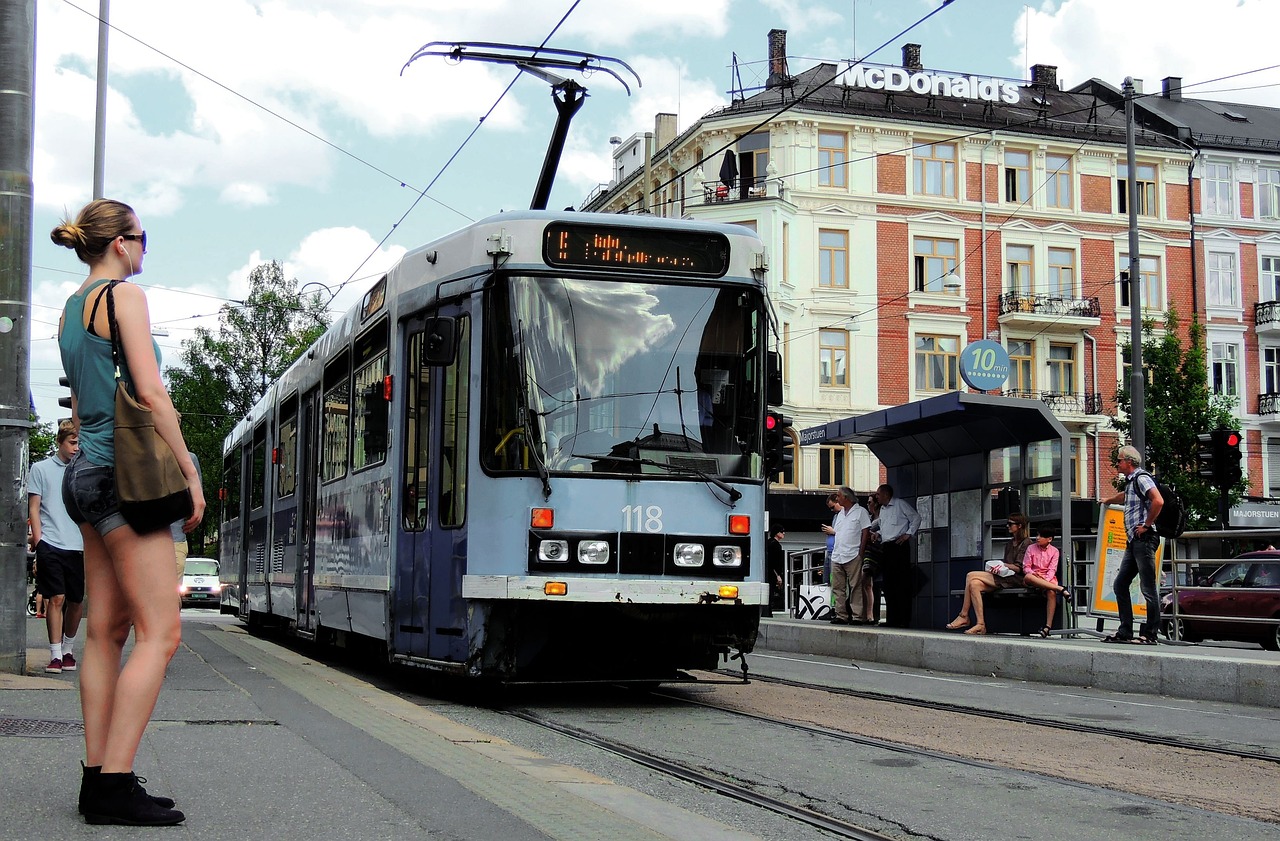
[(17, 132), (1137, 380), (100, 118)]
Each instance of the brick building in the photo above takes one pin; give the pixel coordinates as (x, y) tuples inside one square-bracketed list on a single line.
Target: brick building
[(908, 213)]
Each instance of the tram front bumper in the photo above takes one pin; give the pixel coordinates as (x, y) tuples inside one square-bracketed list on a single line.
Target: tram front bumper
[(613, 590)]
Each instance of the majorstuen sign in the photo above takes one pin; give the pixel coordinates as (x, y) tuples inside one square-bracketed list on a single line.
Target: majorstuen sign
[(984, 88)]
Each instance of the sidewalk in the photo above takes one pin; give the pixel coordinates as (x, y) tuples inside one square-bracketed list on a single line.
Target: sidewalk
[(1193, 672), (254, 740)]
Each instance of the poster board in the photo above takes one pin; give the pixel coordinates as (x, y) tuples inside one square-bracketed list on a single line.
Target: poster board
[(1112, 542)]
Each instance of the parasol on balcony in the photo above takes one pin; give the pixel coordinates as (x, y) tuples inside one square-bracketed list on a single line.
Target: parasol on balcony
[(729, 169)]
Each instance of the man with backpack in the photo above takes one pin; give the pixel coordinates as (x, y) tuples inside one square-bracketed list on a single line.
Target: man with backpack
[(1142, 504)]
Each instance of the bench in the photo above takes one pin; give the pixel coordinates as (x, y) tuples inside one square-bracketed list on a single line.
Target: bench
[(1013, 610)]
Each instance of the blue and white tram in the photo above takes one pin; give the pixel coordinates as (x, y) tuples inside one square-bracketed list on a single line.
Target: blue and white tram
[(533, 451)]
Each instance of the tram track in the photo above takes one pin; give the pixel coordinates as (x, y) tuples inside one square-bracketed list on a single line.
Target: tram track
[(680, 771), (1005, 716)]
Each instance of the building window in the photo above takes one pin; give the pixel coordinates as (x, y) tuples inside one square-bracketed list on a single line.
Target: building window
[(1269, 283), (786, 252), (832, 160), (1062, 272), (1269, 193), (1146, 189), (1217, 189), (1271, 370), (833, 357), (786, 352), (1018, 260), (1062, 369), (935, 259), (786, 477), (935, 167), (833, 471), (1224, 358), (833, 258), (1058, 181), (1149, 277), (1222, 289), (1017, 176), (937, 363), (1022, 378), (1075, 466)]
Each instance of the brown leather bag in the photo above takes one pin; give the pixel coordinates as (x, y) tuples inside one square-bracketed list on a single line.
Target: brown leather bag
[(150, 488)]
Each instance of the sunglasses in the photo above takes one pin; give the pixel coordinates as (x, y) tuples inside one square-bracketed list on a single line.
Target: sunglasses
[(142, 238)]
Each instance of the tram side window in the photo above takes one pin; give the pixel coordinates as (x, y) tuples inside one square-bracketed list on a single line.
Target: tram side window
[(417, 400), (371, 403), (455, 418), (258, 485), (336, 420), (287, 463), (231, 486)]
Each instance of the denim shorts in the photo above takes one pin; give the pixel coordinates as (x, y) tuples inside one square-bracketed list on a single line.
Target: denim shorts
[(89, 492)]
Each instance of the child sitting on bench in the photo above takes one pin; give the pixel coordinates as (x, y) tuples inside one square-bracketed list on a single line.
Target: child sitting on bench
[(1040, 569)]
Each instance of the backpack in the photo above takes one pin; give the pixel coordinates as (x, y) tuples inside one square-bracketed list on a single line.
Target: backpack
[(1172, 519)]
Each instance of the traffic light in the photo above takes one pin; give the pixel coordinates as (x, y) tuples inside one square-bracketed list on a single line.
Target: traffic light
[(64, 402), (777, 453), (1227, 458), (1206, 457)]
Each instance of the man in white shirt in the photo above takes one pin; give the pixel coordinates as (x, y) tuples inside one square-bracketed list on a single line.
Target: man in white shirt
[(898, 522), (850, 530), (59, 549)]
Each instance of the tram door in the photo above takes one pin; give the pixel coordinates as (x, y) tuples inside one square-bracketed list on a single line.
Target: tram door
[(413, 537), (308, 487)]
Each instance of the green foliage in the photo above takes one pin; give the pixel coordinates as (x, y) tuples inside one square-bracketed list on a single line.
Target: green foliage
[(221, 375), (42, 439), (1178, 406)]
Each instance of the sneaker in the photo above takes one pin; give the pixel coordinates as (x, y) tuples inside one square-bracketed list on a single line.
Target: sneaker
[(68, 663), (55, 666)]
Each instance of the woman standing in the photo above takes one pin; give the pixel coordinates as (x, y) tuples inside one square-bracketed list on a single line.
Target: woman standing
[(979, 582), (129, 577)]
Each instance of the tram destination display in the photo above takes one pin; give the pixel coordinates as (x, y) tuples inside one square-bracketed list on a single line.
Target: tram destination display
[(698, 253)]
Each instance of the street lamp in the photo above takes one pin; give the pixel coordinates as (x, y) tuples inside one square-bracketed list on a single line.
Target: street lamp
[(951, 282)]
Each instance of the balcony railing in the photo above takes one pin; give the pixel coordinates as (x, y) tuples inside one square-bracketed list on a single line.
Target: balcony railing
[(1062, 403), (1051, 305), (714, 192), (1266, 314), (1269, 404)]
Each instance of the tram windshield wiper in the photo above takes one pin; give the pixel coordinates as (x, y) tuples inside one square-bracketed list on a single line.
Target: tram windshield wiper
[(734, 493)]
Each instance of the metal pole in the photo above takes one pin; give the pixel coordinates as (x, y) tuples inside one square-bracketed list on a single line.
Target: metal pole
[(17, 132), (100, 118), (1137, 380)]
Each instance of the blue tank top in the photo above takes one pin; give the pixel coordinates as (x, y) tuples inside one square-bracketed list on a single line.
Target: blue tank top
[(87, 360)]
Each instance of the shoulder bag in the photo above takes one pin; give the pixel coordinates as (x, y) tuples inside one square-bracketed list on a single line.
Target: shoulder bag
[(150, 487)]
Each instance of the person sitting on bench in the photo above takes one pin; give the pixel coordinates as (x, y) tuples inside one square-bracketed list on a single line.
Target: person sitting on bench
[(979, 582), (1040, 569)]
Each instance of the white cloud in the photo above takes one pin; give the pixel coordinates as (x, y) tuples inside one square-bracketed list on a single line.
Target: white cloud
[(1152, 39)]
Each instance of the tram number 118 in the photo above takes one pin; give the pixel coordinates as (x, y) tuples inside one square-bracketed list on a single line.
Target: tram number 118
[(642, 518)]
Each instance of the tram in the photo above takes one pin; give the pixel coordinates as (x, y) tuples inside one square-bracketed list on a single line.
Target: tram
[(533, 451)]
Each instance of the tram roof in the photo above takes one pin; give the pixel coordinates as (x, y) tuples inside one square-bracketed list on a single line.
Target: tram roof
[(951, 424)]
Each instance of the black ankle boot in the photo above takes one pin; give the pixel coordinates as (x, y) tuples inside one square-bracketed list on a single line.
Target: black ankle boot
[(118, 799), (90, 779)]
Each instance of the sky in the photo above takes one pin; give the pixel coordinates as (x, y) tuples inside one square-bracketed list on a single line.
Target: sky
[(244, 131)]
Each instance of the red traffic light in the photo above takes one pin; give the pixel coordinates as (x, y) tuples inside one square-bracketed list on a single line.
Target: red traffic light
[(770, 421), (1233, 439)]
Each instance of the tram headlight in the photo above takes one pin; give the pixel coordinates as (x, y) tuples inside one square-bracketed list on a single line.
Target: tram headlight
[(593, 552), (727, 556), (689, 554), (553, 551)]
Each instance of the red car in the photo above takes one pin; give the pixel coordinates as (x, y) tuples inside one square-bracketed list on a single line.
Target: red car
[(1247, 587)]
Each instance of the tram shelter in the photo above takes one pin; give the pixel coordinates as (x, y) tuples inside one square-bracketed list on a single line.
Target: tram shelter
[(966, 461)]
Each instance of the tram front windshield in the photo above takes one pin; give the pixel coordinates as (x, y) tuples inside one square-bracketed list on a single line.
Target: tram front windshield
[(589, 376)]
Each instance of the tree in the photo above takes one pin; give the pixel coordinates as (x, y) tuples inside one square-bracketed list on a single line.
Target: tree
[(221, 375), (1178, 407), (42, 439)]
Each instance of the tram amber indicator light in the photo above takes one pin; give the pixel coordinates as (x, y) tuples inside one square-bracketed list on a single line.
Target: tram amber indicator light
[(542, 518), (555, 588), (728, 591), (648, 250), (739, 524)]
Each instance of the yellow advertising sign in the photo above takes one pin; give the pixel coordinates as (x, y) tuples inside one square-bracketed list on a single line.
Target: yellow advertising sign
[(1112, 542)]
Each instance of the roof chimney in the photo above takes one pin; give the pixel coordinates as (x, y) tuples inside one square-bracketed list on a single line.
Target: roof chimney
[(778, 75), (1045, 75), (664, 130), (1172, 87), (911, 57)]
